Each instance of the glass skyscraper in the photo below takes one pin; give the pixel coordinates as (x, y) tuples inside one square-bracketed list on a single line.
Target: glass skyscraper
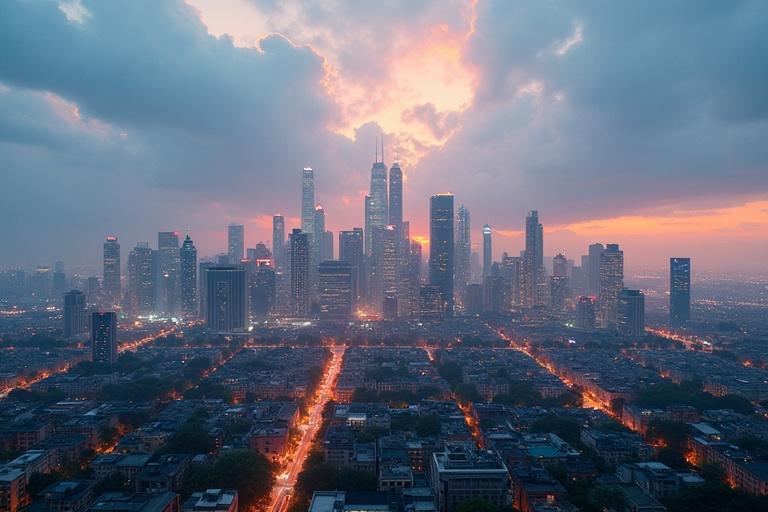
[(441, 248), (111, 281), (188, 277), (679, 291)]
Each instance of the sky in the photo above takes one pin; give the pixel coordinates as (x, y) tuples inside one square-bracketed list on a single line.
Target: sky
[(638, 123)]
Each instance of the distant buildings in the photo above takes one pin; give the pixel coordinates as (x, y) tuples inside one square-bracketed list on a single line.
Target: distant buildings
[(487, 251), (378, 211), (463, 248), (534, 275), (226, 299), (300, 258), (593, 269), (74, 313), (308, 201), (188, 261), (167, 281), (278, 242), (586, 317), (111, 281), (631, 313), (104, 337), (335, 289), (141, 280), (352, 251), (611, 283), (235, 243), (441, 248), (679, 291)]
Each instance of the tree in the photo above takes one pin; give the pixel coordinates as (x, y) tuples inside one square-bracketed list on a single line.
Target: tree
[(190, 438)]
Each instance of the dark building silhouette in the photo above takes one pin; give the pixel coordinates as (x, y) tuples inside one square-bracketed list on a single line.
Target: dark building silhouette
[(226, 299), (679, 291), (104, 337), (441, 248), (74, 313)]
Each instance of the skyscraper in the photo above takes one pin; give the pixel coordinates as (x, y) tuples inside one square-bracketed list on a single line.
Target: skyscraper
[(167, 279), (141, 280), (379, 205), (385, 266), (630, 313), (227, 300), (188, 277), (104, 337), (585, 313), (463, 248), (351, 251), (560, 265), (335, 289), (396, 198), (679, 291), (320, 236), (263, 291), (308, 201), (611, 283), (278, 242), (111, 281), (299, 266), (74, 313), (441, 247), (368, 244), (533, 260), (487, 251), (593, 269), (235, 243)]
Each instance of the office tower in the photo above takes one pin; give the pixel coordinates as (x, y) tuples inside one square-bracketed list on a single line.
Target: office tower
[(351, 251), (308, 201), (558, 292), (431, 302), (326, 253), (578, 280), (390, 307), (416, 260), (611, 283), (336, 289), (630, 313), (533, 261), (235, 243), (593, 269), (487, 251), (320, 237), (368, 244), (227, 301), (463, 248), (263, 291), (104, 337), (493, 291), (167, 279), (188, 257), (141, 280), (202, 273), (384, 270), (475, 270), (396, 198), (59, 279), (378, 209), (585, 313), (679, 291), (441, 247), (300, 244), (511, 272), (560, 265), (278, 242), (111, 280), (74, 313)]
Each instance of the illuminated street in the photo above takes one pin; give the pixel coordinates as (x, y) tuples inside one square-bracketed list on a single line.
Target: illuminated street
[(284, 483)]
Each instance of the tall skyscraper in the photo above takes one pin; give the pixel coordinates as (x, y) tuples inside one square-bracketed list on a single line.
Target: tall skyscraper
[(235, 243), (560, 265), (630, 313), (593, 269), (611, 283), (299, 268), (487, 251), (111, 281), (203, 268), (74, 313), (396, 198), (188, 277), (379, 205), (441, 247), (533, 260), (585, 313), (104, 337), (278, 242), (141, 280), (167, 281), (384, 276), (227, 301), (679, 291), (351, 250), (308, 201), (263, 291), (321, 237), (335, 289), (463, 248)]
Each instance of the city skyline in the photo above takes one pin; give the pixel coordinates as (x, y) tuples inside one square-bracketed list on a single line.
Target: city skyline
[(681, 175)]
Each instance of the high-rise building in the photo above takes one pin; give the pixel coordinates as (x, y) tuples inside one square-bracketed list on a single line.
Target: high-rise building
[(263, 291), (384, 275), (308, 201), (560, 265), (74, 313), (511, 272), (227, 301), (351, 250), (611, 283), (534, 274), (368, 243), (487, 251), (141, 280), (335, 289), (326, 246), (431, 302), (59, 279), (679, 291), (379, 204), (320, 237), (593, 269), (111, 281), (441, 247), (299, 268), (463, 248), (188, 260), (104, 337), (396, 198), (167, 280), (235, 243), (630, 313), (558, 292), (278, 242), (586, 317), (203, 286)]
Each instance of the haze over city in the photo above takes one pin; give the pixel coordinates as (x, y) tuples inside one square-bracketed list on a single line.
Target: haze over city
[(617, 122)]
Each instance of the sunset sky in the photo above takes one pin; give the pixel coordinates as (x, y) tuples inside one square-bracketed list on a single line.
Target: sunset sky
[(641, 123)]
